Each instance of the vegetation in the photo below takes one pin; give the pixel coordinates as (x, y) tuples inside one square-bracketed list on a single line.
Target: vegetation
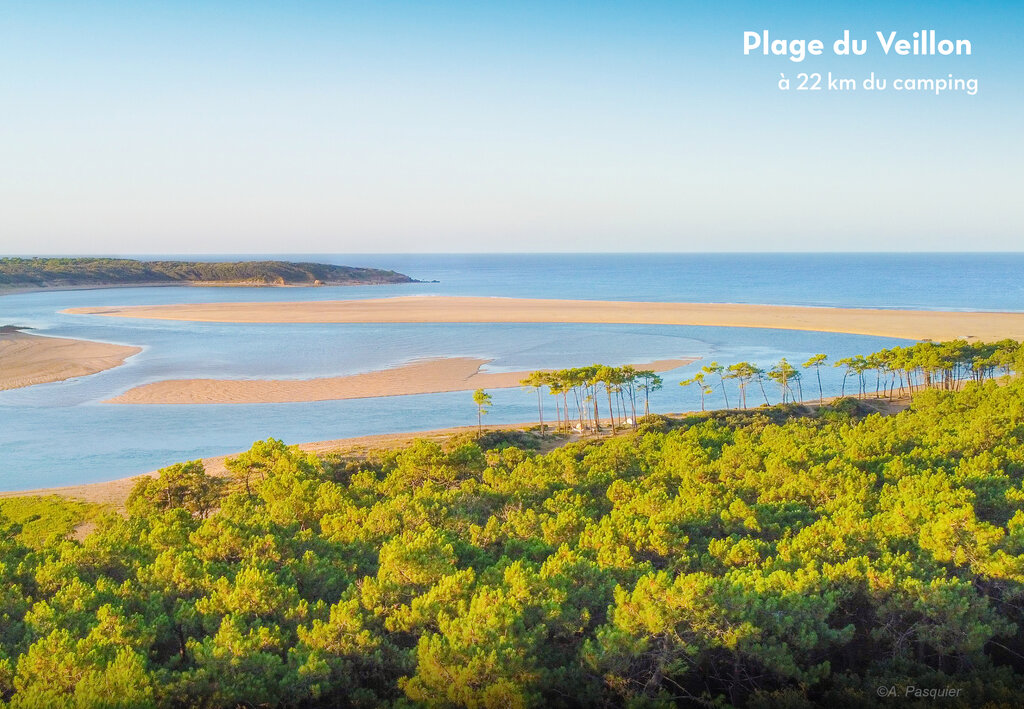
[(782, 556), (68, 272), (622, 386), (898, 371), (37, 521), (699, 380), (945, 365), (816, 362), (483, 402)]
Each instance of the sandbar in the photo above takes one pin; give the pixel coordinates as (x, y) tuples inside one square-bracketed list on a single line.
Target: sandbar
[(32, 359), (905, 324), (428, 376)]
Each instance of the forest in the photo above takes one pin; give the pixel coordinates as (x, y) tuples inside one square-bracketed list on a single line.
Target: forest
[(784, 555), (70, 272)]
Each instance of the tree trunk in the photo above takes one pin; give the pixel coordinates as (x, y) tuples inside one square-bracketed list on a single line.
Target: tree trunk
[(540, 411), (611, 411)]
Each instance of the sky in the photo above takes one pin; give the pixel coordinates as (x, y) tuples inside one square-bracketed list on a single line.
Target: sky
[(374, 127)]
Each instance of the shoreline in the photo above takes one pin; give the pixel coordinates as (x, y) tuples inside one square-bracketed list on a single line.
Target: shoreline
[(18, 290), (30, 359), (429, 376), (934, 325), (115, 492)]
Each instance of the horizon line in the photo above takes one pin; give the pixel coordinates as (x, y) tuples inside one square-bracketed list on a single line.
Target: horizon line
[(165, 254)]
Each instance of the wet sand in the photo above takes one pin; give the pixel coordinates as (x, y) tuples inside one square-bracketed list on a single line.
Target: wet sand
[(907, 324), (32, 359), (424, 377)]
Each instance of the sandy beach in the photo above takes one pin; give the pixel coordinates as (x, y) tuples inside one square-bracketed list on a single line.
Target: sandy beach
[(908, 324), (423, 377), (32, 359)]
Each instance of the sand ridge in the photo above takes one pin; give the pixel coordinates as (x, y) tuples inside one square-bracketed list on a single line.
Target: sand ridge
[(906, 324), (428, 376), (33, 359)]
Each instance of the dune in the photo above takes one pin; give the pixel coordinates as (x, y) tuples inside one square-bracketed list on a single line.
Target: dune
[(32, 359), (422, 377), (906, 324)]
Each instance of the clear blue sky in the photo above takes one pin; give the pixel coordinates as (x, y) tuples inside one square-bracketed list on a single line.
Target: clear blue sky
[(154, 127)]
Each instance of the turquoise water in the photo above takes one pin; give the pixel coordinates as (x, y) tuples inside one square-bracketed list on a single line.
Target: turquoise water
[(61, 433)]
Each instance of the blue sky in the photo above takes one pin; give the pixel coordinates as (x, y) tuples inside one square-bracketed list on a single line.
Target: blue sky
[(531, 126)]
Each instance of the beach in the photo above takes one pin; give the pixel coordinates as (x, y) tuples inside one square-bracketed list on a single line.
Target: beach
[(102, 441), (908, 324), (423, 377), (32, 359)]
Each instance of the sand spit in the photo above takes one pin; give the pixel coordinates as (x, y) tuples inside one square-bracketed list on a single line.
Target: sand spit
[(422, 377), (32, 359), (907, 324)]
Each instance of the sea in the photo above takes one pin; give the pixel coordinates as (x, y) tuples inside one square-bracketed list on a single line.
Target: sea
[(62, 434)]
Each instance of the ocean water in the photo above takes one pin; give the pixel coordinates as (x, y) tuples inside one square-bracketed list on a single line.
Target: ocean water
[(62, 433)]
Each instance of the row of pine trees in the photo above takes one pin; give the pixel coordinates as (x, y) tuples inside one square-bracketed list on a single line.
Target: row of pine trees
[(897, 371), (578, 390), (580, 393)]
